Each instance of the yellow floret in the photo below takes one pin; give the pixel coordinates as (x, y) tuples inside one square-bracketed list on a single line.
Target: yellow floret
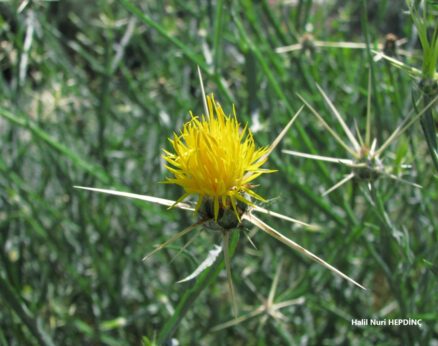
[(214, 158)]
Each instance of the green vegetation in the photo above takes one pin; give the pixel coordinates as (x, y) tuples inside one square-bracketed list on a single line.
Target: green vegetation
[(90, 92)]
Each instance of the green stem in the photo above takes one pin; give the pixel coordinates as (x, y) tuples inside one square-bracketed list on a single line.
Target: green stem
[(428, 126), (377, 112), (192, 293)]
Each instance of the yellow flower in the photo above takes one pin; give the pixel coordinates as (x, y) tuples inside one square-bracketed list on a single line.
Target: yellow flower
[(216, 160)]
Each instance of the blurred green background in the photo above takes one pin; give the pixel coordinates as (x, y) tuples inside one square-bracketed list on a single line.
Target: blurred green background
[(90, 92)]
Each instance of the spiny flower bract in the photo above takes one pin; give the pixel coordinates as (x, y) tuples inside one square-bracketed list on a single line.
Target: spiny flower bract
[(366, 163), (214, 158)]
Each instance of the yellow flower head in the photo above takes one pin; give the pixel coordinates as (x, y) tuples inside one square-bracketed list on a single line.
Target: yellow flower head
[(216, 160)]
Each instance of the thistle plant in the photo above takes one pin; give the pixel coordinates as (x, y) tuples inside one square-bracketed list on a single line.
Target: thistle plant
[(366, 162), (308, 44), (269, 308), (424, 15), (216, 160)]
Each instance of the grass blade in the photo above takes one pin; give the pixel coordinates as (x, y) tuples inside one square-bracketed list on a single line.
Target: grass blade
[(187, 51), (11, 299), (39, 133)]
